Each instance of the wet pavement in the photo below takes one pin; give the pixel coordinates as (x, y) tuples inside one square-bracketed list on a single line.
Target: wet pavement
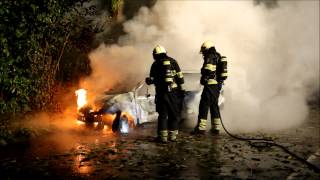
[(90, 154)]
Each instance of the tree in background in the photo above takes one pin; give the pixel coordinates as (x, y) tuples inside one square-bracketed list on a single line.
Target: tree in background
[(34, 37)]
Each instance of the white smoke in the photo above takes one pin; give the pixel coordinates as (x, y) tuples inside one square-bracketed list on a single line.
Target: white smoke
[(273, 55)]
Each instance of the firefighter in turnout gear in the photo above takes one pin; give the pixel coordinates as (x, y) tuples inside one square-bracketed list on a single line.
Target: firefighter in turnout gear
[(213, 74), (168, 79)]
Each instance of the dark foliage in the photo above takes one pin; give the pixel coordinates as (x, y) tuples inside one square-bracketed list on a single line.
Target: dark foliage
[(43, 44)]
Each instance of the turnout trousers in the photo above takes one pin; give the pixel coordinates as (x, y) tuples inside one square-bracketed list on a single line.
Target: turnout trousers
[(209, 100), (167, 106)]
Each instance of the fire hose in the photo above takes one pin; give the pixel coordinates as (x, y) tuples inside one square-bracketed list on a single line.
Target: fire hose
[(268, 142), (259, 142)]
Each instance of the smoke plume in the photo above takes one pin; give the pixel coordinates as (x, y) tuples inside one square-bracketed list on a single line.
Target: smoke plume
[(273, 55)]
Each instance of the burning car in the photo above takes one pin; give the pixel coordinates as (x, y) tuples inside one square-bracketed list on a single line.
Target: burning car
[(122, 111)]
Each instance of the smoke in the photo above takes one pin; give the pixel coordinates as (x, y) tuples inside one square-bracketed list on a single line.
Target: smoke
[(273, 55), (114, 67)]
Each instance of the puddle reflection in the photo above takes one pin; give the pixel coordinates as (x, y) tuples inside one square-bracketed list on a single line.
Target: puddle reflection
[(82, 163)]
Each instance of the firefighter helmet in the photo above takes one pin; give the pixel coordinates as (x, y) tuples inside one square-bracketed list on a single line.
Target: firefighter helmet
[(205, 46), (159, 50)]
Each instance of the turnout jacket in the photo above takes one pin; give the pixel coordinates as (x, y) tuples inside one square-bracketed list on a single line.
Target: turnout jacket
[(166, 75), (214, 69)]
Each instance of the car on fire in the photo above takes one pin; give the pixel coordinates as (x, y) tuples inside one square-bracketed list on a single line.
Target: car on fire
[(137, 106)]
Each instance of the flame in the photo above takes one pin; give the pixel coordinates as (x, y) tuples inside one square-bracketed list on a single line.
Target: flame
[(106, 130), (80, 122), (82, 98), (95, 124)]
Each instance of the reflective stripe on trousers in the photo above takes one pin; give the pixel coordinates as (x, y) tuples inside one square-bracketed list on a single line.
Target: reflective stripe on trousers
[(163, 135), (209, 100), (215, 123), (173, 135), (202, 124)]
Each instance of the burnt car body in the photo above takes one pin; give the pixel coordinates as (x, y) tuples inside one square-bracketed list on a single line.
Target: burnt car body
[(139, 103)]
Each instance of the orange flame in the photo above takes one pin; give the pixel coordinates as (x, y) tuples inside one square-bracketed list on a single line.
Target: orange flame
[(82, 98)]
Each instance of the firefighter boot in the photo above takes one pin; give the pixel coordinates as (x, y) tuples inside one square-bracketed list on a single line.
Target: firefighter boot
[(162, 137), (215, 129), (200, 129), (173, 135), (196, 131)]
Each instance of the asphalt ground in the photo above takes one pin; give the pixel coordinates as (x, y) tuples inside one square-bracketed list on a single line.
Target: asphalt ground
[(91, 154)]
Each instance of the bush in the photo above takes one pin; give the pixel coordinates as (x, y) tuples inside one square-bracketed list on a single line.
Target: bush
[(34, 36)]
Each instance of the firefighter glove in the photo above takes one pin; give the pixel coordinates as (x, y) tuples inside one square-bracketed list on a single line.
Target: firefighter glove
[(203, 81), (149, 81)]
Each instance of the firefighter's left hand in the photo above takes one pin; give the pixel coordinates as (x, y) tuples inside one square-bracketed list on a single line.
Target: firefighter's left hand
[(203, 80)]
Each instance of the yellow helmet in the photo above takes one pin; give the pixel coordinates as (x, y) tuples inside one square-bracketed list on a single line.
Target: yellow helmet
[(206, 45), (159, 50)]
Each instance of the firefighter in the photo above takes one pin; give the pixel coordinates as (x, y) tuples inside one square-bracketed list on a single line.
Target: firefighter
[(168, 79), (213, 74)]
